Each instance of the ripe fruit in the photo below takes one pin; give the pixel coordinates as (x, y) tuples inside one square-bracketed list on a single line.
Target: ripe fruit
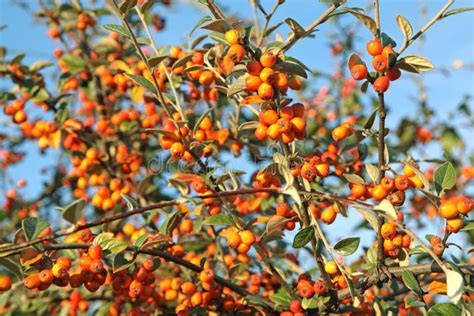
[(359, 72), (379, 63), (305, 289), (32, 281), (252, 83), (387, 183), (269, 117), (402, 183), (267, 75), (232, 36), (247, 237), (46, 276), (206, 275), (5, 283), (319, 287), (374, 47), (379, 193), (388, 230), (328, 216), (331, 268), (177, 150), (234, 240), (268, 59), (265, 91), (381, 84), (454, 225), (95, 252), (358, 190), (340, 133), (448, 210), (394, 73), (188, 288), (464, 205), (261, 132)]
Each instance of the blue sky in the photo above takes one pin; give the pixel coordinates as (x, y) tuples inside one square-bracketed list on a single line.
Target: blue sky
[(449, 40)]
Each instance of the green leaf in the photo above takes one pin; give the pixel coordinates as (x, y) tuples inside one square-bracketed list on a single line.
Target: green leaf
[(110, 245), (411, 301), (127, 5), (405, 26), (444, 177), (201, 22), (122, 261), (117, 29), (282, 297), (218, 37), (293, 68), (33, 227), (141, 240), (72, 212), (415, 64), (457, 11), (411, 282), (220, 26), (303, 237), (74, 63), (387, 40), (147, 5), (182, 61), (364, 19), (291, 191), (309, 303), (154, 61), (443, 309), (353, 178), (347, 246), (219, 219), (12, 266), (297, 29), (238, 86), (173, 222), (469, 226), (40, 65), (386, 207), (370, 121), (131, 203), (142, 81)]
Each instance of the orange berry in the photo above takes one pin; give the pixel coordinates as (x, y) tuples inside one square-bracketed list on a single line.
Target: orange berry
[(234, 240), (95, 252), (298, 109), (254, 68), (46, 276), (188, 288), (232, 36), (331, 268), (265, 91), (374, 47), (379, 193), (381, 84), (252, 83), (305, 289), (394, 73), (177, 150), (206, 124), (387, 183), (448, 210), (379, 63), (267, 75), (273, 131), (261, 132), (243, 248), (408, 171), (287, 113), (32, 281), (402, 183), (5, 283), (236, 53), (19, 117), (359, 72), (464, 205), (281, 81), (206, 78), (340, 133), (247, 237), (295, 83), (328, 216), (454, 225), (175, 52), (358, 190), (268, 59), (206, 275), (298, 124), (388, 230)]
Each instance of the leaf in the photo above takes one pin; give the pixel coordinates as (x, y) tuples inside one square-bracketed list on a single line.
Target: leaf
[(291, 191), (309, 303), (372, 171), (414, 64), (154, 61), (303, 237), (249, 125), (457, 11), (411, 282), (353, 178), (219, 219), (200, 22), (443, 309), (347, 246), (33, 227), (220, 26), (364, 19), (276, 223), (444, 177), (354, 59), (386, 207), (238, 86), (40, 65), (172, 222), (411, 301), (469, 226), (201, 118), (121, 262), (387, 40), (142, 81), (140, 240), (131, 203), (293, 68), (405, 26), (117, 29), (127, 5), (157, 240), (426, 184), (147, 5), (182, 61), (282, 297), (455, 283), (297, 29), (30, 256), (218, 37), (74, 63), (12, 266), (72, 212), (368, 216), (370, 121)]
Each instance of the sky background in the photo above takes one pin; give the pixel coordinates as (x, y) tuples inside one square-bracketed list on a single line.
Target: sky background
[(449, 41)]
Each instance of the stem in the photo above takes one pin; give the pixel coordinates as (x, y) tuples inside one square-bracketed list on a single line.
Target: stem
[(381, 164), (292, 39), (436, 18), (377, 17)]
